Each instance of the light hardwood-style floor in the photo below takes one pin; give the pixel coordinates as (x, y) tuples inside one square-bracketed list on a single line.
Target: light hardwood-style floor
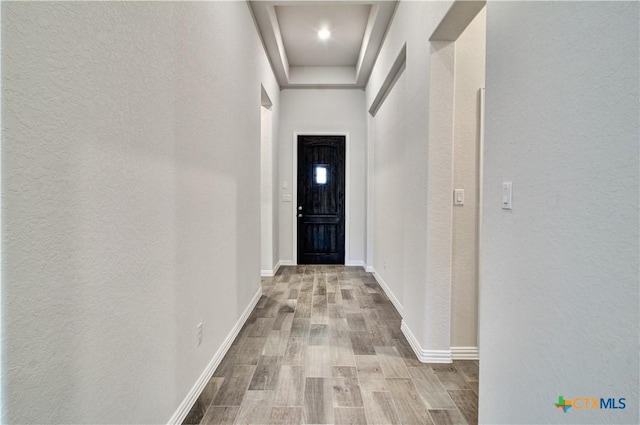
[(324, 346)]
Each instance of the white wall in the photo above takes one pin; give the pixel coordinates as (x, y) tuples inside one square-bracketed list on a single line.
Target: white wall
[(266, 193), (388, 182), (422, 280), (131, 201), (275, 184), (328, 111), (469, 77), (559, 280)]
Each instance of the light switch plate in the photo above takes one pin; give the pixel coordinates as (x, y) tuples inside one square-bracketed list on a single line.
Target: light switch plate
[(286, 198), (507, 192), (458, 197)]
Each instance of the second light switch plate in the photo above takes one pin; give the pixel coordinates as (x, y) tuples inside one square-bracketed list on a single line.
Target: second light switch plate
[(458, 197), (507, 189)]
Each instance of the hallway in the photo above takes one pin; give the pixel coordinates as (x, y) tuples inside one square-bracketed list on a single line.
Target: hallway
[(324, 346)]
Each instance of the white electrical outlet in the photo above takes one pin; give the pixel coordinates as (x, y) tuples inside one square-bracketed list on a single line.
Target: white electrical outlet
[(199, 334)]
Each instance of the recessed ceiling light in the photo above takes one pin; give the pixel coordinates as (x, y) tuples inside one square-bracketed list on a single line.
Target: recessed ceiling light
[(324, 34)]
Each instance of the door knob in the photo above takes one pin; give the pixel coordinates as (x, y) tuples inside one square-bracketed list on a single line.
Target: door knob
[(299, 215), (299, 207)]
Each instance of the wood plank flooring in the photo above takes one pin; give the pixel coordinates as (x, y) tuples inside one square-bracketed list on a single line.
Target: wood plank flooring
[(324, 346)]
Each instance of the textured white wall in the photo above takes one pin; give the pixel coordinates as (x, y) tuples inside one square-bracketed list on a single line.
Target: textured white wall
[(426, 300), (389, 182), (266, 192), (559, 279), (324, 111), (469, 77), (275, 183), (439, 186), (131, 201)]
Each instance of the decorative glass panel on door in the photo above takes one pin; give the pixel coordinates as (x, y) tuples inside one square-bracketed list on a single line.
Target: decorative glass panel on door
[(320, 174)]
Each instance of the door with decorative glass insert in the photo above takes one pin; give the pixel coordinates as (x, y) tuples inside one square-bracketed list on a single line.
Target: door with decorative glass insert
[(320, 205)]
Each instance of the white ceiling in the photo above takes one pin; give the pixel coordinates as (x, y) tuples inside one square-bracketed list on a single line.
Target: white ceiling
[(299, 26), (289, 31)]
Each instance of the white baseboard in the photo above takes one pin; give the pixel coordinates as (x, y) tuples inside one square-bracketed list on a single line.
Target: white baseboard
[(287, 263), (355, 264), (196, 390), (425, 356), (388, 292), (271, 273), (464, 353), (369, 269)]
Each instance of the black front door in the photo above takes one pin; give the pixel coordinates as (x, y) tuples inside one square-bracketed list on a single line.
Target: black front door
[(320, 209)]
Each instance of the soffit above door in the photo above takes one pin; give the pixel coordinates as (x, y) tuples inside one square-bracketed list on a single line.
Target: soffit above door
[(300, 59)]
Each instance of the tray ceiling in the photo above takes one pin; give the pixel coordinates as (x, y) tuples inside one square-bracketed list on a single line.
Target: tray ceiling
[(300, 59)]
